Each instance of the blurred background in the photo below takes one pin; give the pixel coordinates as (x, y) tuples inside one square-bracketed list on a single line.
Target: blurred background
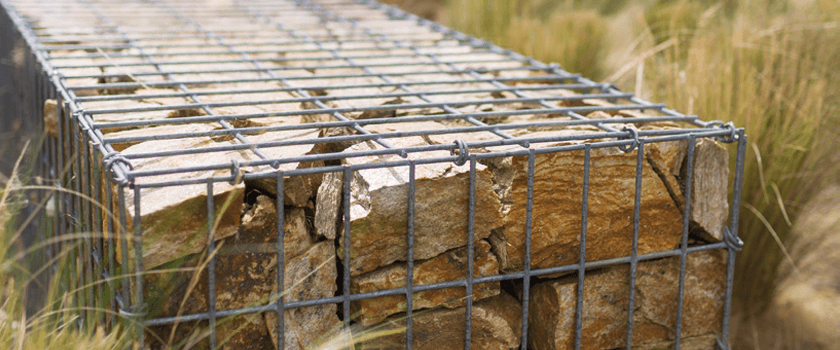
[(770, 66)]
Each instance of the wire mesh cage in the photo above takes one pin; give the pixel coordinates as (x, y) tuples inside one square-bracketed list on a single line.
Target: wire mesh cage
[(283, 174)]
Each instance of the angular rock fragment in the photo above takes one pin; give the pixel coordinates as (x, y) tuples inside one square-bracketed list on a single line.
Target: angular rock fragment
[(496, 325), (309, 276), (449, 266), (709, 193), (379, 207), (51, 117), (328, 205), (606, 297)]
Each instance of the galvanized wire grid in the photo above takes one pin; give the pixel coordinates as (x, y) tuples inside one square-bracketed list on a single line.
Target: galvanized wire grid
[(262, 79)]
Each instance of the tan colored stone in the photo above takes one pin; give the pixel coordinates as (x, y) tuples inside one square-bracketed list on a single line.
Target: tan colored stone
[(174, 219), (140, 102), (496, 325), (606, 297), (328, 204), (379, 207), (710, 191), (155, 131), (556, 228), (92, 70), (51, 117), (309, 276), (245, 274), (253, 97), (449, 266)]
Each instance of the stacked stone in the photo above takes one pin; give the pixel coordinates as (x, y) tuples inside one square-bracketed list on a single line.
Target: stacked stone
[(174, 220)]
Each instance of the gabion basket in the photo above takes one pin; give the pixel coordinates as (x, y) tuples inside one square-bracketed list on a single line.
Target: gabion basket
[(285, 174)]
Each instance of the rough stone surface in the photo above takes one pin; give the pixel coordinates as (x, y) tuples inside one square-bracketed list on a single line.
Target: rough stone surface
[(449, 266), (556, 228), (245, 271), (158, 130), (80, 61), (606, 297), (496, 325), (379, 208), (139, 102), (174, 219), (710, 208), (328, 205), (51, 117), (310, 276)]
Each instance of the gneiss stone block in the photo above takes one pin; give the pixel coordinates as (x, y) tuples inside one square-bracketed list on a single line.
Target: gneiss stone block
[(558, 200), (606, 297), (449, 266)]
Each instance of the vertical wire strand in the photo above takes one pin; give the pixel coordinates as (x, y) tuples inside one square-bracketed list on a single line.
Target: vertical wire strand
[(409, 279), (211, 264), (111, 245), (470, 256), (348, 174), (138, 268), (526, 279), (684, 243), (77, 256), (584, 219), (90, 236), (124, 270), (635, 250), (281, 260), (99, 224), (733, 229)]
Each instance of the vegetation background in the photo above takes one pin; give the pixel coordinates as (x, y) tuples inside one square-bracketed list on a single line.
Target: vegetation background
[(770, 66)]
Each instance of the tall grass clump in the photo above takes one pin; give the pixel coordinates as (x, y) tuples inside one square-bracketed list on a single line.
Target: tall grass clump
[(53, 326), (770, 66), (571, 35)]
